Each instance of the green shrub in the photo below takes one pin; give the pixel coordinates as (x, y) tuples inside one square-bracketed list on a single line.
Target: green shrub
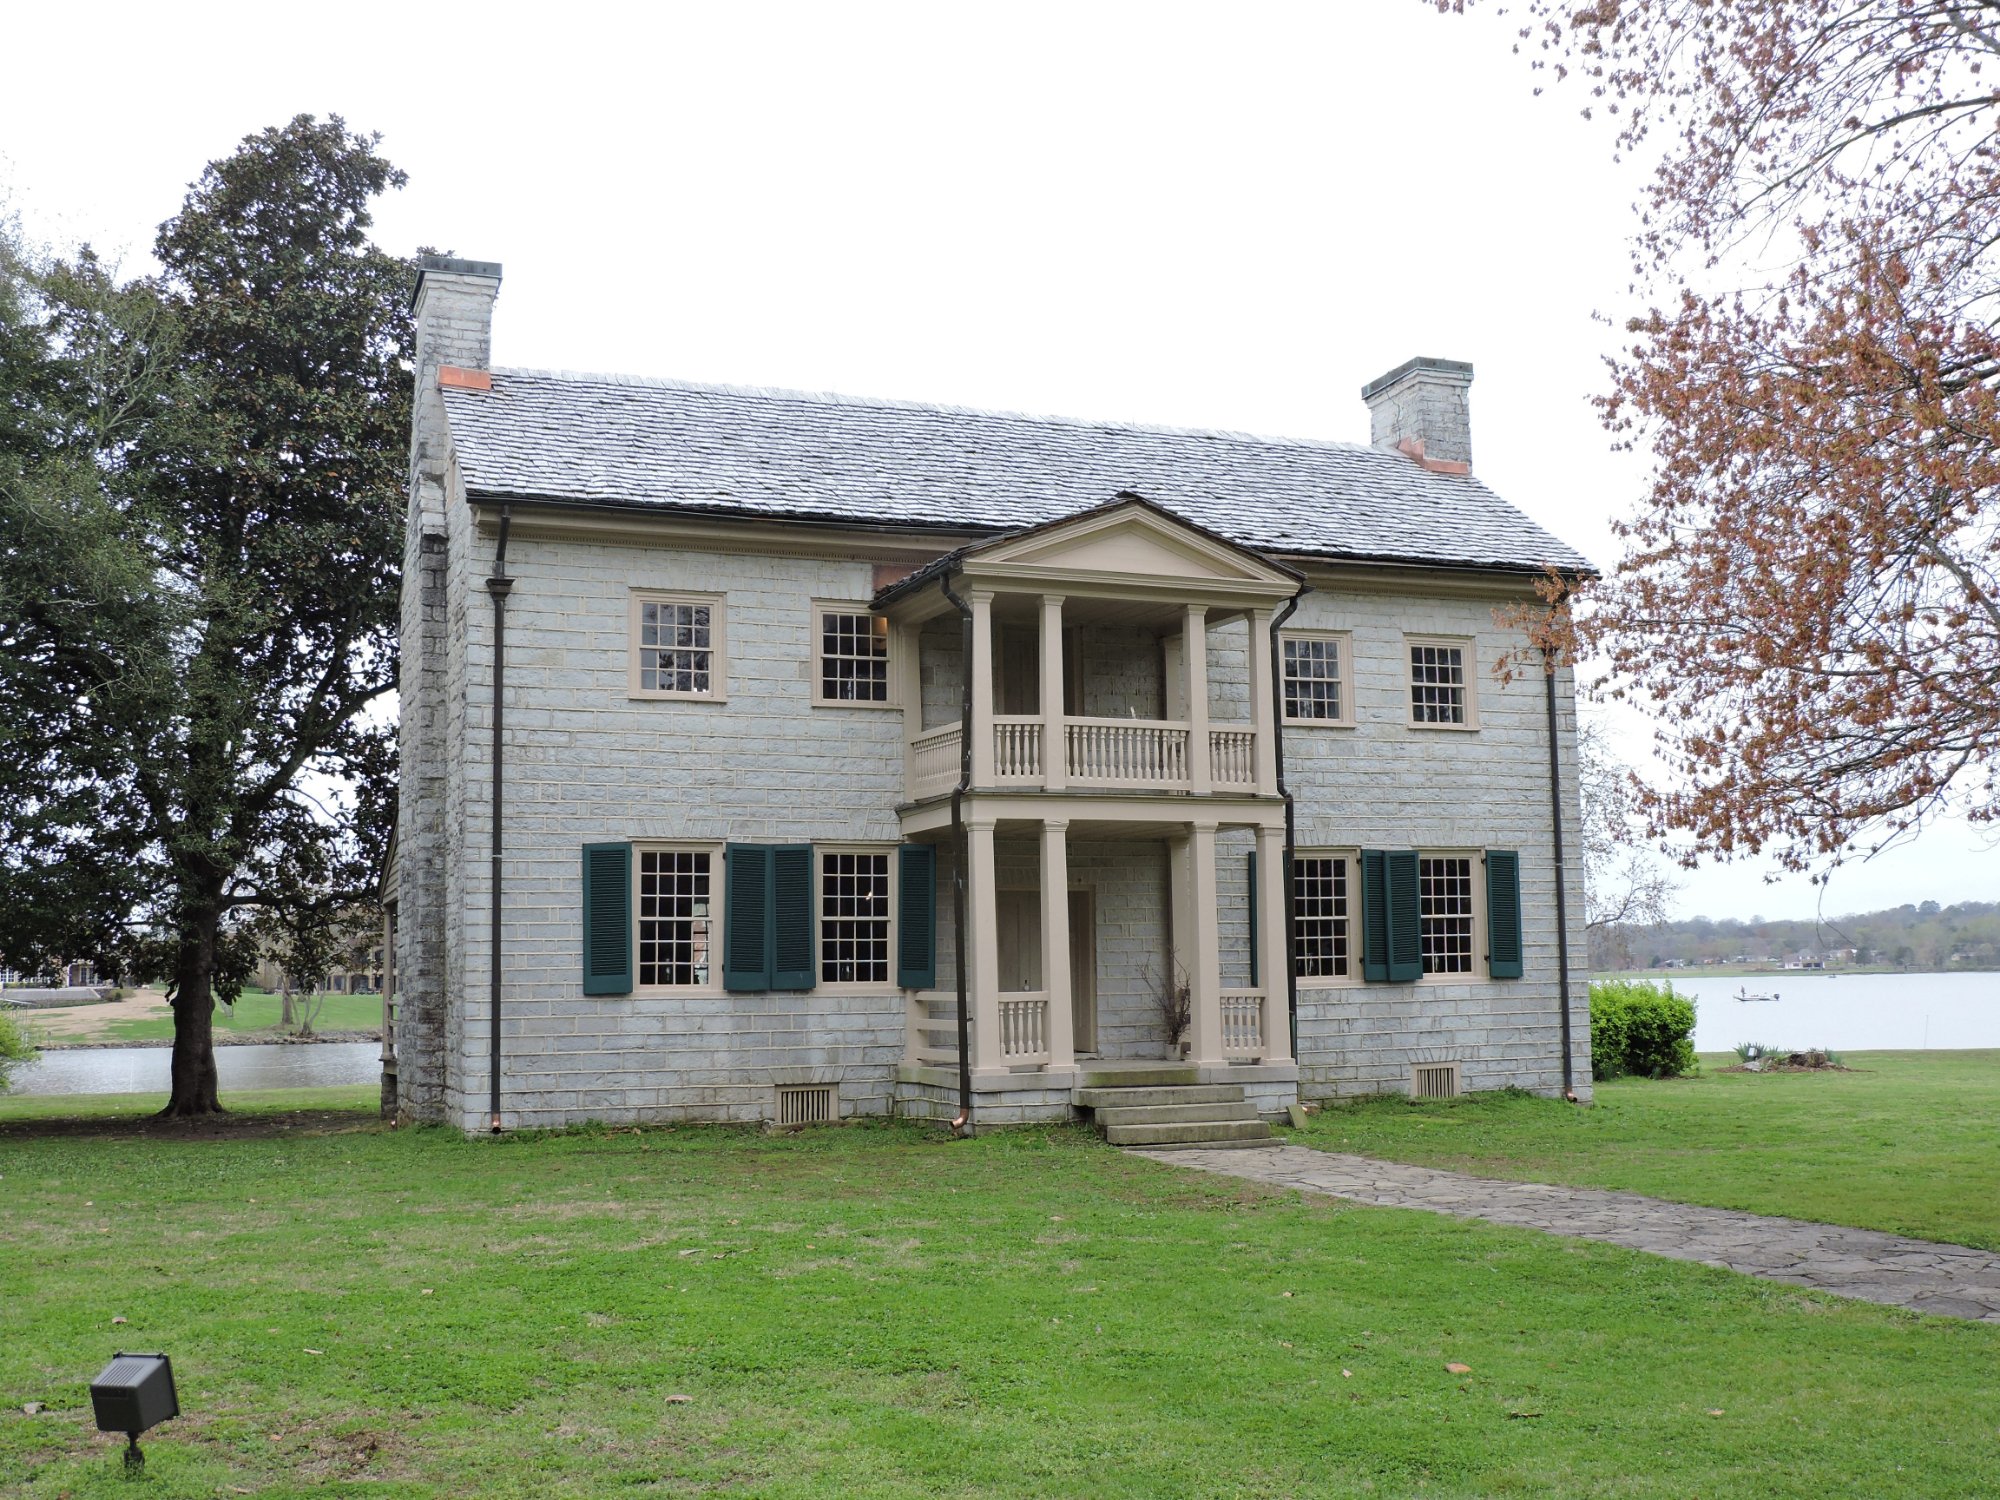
[(14, 1047), (1637, 1026)]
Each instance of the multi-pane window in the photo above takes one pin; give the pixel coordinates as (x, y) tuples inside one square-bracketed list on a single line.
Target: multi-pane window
[(1315, 677), (675, 916), (678, 647), (1444, 913), (854, 918), (853, 657), (1437, 683), (1320, 918)]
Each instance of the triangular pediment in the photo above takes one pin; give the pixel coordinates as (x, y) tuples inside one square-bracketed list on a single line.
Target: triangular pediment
[(1131, 538)]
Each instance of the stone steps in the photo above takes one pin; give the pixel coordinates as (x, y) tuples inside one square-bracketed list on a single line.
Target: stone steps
[(1210, 1133), (1143, 1110), (1147, 1098), (1153, 1075)]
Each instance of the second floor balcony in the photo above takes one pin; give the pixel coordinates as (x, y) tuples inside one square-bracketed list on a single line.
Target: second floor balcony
[(1116, 651)]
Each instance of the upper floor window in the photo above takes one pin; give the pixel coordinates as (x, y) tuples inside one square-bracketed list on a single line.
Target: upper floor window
[(676, 917), (677, 646), (851, 651), (1318, 689), (1441, 685)]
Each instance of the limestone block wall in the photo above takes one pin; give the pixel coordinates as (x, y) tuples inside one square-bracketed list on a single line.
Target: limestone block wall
[(586, 763), (1385, 785)]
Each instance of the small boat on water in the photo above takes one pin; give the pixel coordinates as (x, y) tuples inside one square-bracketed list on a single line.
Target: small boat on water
[(1747, 998)]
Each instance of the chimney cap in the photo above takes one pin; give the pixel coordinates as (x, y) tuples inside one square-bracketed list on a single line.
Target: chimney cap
[(457, 267), (1456, 371)]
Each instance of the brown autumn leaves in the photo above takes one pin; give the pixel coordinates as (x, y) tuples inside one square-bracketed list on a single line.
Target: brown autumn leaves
[(1808, 603)]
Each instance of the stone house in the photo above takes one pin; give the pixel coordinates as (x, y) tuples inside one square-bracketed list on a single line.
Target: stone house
[(751, 702)]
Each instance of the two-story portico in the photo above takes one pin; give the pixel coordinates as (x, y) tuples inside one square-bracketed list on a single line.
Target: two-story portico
[(1095, 719)]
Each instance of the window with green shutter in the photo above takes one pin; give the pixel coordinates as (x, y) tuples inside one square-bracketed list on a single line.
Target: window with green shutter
[(1374, 916), (916, 915), (1405, 914), (1392, 946), (1503, 913), (607, 919), (792, 917), (746, 914), (1251, 859), (768, 929)]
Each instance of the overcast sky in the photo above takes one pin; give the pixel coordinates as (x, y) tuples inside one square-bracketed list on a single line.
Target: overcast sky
[(1202, 215)]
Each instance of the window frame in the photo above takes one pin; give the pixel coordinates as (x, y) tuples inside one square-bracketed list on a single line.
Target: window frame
[(718, 887), (892, 928), (1468, 649), (1480, 970), (1344, 641), (718, 645), (1352, 979), (819, 609)]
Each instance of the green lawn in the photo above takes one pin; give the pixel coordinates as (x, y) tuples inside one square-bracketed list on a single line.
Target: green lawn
[(257, 1011), (873, 1311), (1908, 1141)]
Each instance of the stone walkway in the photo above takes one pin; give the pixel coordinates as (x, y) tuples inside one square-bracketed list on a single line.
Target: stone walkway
[(1954, 1281)]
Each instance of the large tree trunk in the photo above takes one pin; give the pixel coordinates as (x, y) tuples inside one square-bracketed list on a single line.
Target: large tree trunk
[(194, 1087)]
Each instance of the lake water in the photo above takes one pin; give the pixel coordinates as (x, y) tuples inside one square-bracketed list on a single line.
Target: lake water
[(1847, 1012), (144, 1070)]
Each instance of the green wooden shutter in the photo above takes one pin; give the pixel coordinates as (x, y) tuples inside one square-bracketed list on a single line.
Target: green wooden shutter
[(1503, 913), (792, 948), (1405, 916), (607, 919), (1254, 953), (746, 915), (916, 917), (1374, 916)]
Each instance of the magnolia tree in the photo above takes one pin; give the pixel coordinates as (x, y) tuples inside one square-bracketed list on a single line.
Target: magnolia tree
[(201, 478), (1809, 598)]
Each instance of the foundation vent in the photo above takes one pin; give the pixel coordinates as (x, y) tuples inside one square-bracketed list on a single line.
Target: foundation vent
[(811, 1104), (1434, 1081)]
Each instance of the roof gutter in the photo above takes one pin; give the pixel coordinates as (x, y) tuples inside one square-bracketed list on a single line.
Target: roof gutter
[(961, 856), (1550, 661)]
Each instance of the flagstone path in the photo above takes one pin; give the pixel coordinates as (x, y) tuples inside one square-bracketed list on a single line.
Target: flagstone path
[(1954, 1281)]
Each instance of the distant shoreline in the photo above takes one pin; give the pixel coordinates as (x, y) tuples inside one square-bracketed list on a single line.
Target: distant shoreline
[(1781, 973)]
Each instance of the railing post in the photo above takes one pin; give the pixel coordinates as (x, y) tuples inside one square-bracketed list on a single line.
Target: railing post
[(987, 1056), (981, 668), (1194, 648), (1274, 959), (1263, 708), (1205, 949), (1061, 1037), (1055, 756)]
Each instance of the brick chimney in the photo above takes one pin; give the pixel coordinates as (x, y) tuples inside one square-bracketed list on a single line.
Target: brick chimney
[(453, 305), (1420, 408)]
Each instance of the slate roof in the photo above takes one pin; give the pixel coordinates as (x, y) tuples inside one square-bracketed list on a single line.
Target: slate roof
[(659, 444)]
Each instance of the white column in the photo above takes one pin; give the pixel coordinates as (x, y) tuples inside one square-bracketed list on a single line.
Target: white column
[(1055, 942), (1274, 961), (1194, 648), (1205, 972), (985, 946), (1263, 716), (981, 668), (1055, 754)]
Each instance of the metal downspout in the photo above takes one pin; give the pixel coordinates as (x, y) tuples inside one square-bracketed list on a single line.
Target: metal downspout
[(1562, 888), (498, 587), (962, 855), (1284, 897)]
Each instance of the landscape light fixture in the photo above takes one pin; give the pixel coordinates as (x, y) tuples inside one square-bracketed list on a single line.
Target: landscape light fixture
[(133, 1394)]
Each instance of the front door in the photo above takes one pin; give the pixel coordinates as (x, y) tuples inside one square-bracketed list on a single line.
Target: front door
[(1020, 935), (1083, 972)]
